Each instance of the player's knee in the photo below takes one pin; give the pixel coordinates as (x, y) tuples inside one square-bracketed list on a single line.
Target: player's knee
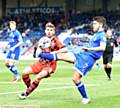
[(105, 66), (27, 71), (76, 77), (39, 78), (7, 64), (25, 76), (24, 72), (73, 79), (51, 71), (108, 65)]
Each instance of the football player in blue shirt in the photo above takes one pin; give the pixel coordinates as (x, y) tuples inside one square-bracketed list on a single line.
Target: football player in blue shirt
[(86, 57), (14, 49)]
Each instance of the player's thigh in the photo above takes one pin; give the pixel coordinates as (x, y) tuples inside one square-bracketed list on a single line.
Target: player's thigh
[(42, 74), (105, 65), (109, 65), (45, 72), (28, 70), (67, 57)]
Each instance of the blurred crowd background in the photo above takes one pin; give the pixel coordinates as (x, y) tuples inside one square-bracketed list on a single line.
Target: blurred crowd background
[(31, 24)]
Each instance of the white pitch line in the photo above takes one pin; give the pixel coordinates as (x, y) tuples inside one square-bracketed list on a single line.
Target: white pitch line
[(17, 83), (44, 83), (46, 89)]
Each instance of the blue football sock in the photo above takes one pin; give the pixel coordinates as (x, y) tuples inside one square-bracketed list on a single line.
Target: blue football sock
[(14, 70), (48, 56), (81, 89)]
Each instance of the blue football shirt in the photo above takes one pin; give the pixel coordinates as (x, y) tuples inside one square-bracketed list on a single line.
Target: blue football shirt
[(14, 37), (97, 39)]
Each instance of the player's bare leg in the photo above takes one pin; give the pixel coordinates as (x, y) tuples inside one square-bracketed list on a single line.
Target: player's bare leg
[(66, 57), (69, 57)]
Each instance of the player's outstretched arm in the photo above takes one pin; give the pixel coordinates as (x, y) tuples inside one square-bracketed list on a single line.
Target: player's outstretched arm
[(93, 49), (100, 48)]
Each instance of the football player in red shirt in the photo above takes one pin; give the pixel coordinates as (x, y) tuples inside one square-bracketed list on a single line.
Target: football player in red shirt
[(43, 68)]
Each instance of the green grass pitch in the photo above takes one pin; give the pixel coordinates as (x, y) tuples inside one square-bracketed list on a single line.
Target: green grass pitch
[(58, 91)]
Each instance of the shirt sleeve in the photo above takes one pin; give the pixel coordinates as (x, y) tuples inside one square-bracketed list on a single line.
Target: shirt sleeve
[(58, 43), (18, 34), (103, 39)]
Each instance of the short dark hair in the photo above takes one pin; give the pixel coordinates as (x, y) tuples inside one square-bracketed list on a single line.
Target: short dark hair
[(109, 28), (100, 19)]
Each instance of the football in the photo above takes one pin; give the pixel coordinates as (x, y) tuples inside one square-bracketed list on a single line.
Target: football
[(44, 42)]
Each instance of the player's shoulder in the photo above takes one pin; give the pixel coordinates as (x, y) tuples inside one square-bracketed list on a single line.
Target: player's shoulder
[(103, 35), (17, 32)]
